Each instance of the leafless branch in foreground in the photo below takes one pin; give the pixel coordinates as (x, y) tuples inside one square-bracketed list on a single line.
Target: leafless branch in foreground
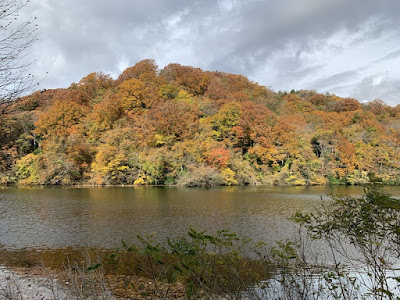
[(16, 38)]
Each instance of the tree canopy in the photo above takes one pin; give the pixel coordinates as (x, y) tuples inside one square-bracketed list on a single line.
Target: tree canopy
[(183, 125)]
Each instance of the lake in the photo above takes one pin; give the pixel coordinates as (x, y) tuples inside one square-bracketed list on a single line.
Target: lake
[(53, 218), (51, 226)]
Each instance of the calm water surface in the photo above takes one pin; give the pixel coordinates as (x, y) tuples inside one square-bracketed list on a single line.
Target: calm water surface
[(43, 218)]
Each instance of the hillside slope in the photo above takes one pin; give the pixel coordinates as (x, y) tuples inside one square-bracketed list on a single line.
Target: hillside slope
[(185, 126)]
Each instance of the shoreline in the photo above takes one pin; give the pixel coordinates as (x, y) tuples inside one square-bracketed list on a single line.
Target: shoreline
[(31, 284), (39, 282), (176, 186)]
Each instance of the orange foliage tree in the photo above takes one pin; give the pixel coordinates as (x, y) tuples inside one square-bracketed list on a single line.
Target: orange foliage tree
[(145, 71), (186, 126), (194, 80), (60, 119)]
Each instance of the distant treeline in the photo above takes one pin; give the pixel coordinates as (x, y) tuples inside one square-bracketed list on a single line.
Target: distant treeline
[(181, 125)]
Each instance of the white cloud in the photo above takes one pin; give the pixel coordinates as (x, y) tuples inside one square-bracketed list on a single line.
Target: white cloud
[(302, 44)]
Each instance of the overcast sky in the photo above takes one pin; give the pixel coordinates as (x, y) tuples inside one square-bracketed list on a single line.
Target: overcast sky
[(347, 47)]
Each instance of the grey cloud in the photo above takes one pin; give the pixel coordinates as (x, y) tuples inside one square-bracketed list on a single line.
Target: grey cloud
[(306, 71), (232, 36), (342, 90), (295, 77), (336, 79), (93, 35), (390, 56), (268, 26), (388, 90)]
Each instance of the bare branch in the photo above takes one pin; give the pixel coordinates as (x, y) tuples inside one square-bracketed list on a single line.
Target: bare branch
[(16, 37)]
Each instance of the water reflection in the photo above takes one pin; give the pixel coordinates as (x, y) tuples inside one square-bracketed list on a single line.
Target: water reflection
[(39, 218)]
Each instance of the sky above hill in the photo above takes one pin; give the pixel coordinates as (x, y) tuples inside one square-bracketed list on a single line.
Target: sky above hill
[(349, 48)]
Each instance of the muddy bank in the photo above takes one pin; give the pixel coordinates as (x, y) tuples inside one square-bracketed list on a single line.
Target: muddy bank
[(32, 284), (40, 283)]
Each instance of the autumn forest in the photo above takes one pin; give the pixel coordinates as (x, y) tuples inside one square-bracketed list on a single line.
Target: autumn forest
[(188, 127)]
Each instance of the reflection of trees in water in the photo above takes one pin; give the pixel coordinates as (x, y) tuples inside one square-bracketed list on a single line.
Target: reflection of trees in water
[(4, 226)]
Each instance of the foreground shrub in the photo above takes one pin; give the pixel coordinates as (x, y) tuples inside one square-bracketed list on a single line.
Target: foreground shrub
[(365, 233), (207, 265)]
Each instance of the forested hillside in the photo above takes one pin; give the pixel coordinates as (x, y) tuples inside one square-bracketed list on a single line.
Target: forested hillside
[(185, 126)]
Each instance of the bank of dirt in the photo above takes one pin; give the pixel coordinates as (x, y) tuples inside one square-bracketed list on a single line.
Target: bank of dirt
[(33, 283)]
